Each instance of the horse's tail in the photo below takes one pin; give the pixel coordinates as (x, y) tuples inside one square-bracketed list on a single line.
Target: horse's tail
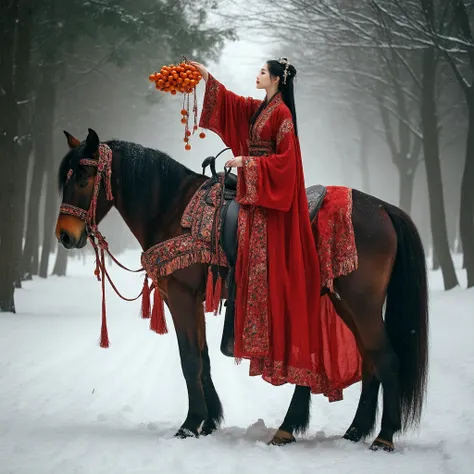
[(406, 315)]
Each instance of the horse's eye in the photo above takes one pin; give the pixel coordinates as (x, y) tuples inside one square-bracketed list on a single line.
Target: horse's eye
[(83, 184)]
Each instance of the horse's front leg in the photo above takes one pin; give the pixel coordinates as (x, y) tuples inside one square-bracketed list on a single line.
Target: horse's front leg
[(189, 325)]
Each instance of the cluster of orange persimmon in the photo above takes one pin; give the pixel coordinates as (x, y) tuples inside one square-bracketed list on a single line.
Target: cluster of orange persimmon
[(183, 77)]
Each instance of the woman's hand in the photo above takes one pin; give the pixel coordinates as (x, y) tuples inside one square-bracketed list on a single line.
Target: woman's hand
[(234, 162), (201, 69)]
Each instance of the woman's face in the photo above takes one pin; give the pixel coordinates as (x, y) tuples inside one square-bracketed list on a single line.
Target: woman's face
[(264, 80)]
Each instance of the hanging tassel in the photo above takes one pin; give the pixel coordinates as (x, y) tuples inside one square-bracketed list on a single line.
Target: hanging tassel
[(209, 292), (104, 333), (217, 295), (158, 321), (146, 299)]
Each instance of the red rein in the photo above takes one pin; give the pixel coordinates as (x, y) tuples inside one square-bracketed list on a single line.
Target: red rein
[(104, 171)]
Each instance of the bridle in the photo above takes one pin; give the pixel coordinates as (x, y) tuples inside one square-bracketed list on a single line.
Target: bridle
[(104, 174)]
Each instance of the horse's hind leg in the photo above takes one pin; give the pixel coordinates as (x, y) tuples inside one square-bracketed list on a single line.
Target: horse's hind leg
[(364, 419), (214, 406), (380, 360), (296, 419), (363, 291)]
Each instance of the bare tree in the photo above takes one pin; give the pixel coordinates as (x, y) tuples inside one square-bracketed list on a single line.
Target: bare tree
[(15, 24)]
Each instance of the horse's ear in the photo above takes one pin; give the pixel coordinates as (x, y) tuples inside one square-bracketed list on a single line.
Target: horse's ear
[(71, 141), (92, 141)]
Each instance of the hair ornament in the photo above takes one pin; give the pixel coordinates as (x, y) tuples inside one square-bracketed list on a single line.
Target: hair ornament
[(284, 62)]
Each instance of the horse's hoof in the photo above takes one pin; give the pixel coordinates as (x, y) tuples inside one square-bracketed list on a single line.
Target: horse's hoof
[(380, 444), (352, 434), (184, 433), (282, 438), (208, 429)]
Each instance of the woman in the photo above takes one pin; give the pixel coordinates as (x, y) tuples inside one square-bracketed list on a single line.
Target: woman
[(277, 271)]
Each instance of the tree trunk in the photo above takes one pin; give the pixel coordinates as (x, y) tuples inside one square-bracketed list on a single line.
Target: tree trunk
[(29, 259), (364, 157), (433, 170), (8, 150), (436, 264), (42, 127), (46, 141), (60, 265), (459, 245), (50, 211), (406, 189), (466, 216), (23, 91)]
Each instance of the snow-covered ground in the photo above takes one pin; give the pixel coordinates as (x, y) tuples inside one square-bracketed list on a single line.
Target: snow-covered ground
[(68, 406)]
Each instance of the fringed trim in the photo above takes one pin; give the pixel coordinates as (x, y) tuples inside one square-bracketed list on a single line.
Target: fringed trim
[(217, 295), (334, 236), (213, 294), (344, 268), (209, 291), (146, 310), (158, 321), (162, 260), (104, 333)]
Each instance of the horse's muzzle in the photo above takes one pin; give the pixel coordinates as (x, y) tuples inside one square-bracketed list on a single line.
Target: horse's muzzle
[(70, 242)]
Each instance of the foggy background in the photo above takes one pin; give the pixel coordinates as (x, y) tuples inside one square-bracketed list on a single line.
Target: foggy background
[(384, 93)]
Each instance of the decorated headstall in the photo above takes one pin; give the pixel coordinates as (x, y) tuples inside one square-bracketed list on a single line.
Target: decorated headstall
[(104, 173)]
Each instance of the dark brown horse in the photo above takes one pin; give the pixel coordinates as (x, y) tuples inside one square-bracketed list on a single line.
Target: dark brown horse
[(151, 192)]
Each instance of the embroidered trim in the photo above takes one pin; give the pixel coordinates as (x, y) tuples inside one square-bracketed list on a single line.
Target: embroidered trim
[(247, 182), (210, 112), (175, 254), (262, 119), (334, 233), (196, 246), (279, 374), (255, 338), (285, 127)]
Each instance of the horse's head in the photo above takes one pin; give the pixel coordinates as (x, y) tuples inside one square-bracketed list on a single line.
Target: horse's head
[(84, 179)]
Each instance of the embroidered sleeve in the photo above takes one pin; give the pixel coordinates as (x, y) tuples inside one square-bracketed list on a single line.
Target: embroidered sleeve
[(208, 115), (227, 114)]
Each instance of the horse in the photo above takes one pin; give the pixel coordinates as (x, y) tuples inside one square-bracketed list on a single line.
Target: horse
[(151, 191)]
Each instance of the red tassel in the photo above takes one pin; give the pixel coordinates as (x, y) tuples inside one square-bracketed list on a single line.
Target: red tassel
[(104, 333), (146, 299), (209, 292), (217, 295), (158, 321)]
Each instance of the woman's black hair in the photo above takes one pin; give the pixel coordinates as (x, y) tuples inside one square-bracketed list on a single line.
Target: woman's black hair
[(286, 87)]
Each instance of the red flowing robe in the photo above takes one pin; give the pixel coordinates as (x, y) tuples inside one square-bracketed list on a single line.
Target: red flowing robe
[(277, 313)]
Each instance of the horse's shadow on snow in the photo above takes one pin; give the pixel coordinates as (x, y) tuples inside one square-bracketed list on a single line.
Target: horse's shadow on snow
[(256, 434)]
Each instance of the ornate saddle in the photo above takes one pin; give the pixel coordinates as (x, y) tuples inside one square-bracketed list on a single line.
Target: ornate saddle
[(228, 236)]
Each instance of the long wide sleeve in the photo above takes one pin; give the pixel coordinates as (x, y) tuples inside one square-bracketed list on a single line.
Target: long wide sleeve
[(227, 114), (269, 181)]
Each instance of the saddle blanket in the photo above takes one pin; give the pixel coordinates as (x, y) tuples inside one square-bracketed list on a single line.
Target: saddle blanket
[(201, 225)]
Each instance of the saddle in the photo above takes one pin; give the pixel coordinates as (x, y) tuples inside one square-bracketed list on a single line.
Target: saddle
[(229, 214)]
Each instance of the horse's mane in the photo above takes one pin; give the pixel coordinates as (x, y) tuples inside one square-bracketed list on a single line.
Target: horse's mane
[(141, 169)]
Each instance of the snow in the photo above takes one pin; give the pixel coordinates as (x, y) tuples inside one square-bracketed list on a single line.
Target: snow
[(70, 407)]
